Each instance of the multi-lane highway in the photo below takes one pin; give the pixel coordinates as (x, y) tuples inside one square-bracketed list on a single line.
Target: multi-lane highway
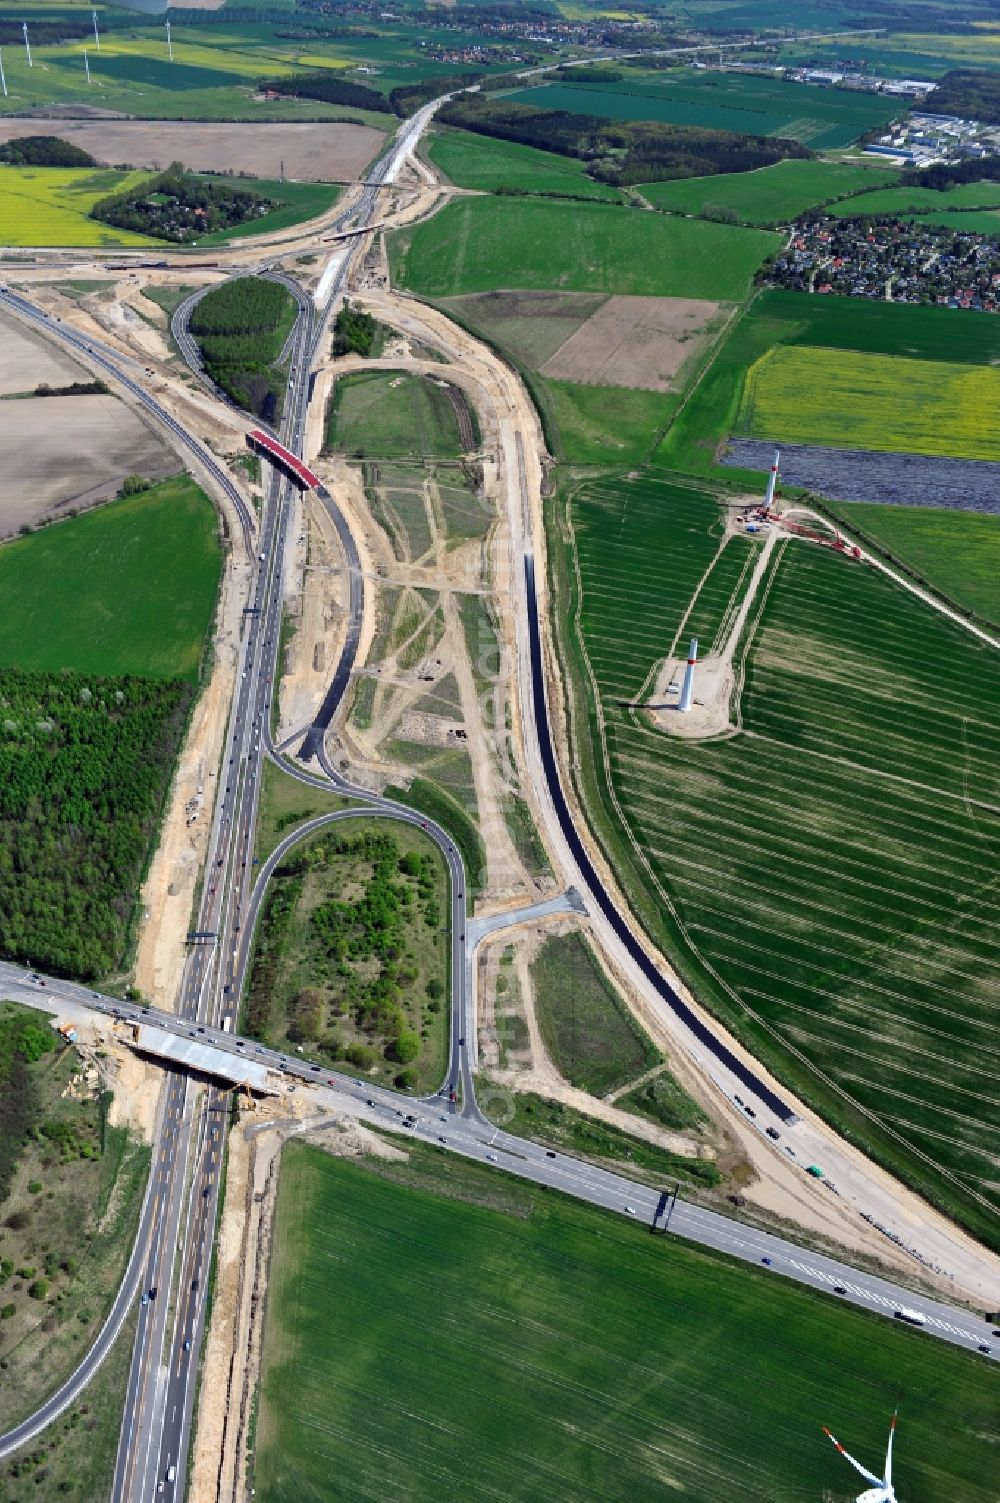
[(177, 1227), (473, 1136)]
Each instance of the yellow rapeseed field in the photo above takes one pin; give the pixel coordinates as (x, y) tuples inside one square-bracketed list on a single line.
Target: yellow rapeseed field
[(49, 206), (885, 402)]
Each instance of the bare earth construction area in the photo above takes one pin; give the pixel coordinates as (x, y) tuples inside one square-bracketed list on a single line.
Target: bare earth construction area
[(328, 152)]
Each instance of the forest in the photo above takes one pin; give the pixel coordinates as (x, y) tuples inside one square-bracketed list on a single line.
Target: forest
[(620, 152), (241, 328), (174, 205), (328, 88), (44, 151), (23, 1039), (970, 92), (85, 762)]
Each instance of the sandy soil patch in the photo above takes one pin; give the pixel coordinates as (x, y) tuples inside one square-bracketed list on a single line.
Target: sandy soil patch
[(26, 359), (57, 452), (636, 341), (316, 606), (319, 151)]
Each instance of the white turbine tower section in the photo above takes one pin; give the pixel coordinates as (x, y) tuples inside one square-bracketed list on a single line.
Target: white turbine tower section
[(170, 45), (881, 1490), (97, 34), (687, 688), (772, 481), (3, 77), (86, 63), (27, 44)]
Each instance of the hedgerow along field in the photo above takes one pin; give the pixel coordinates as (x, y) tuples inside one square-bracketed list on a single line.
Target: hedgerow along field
[(779, 318), (772, 195), (129, 587), (748, 105), (824, 878), (50, 206), (473, 161), (956, 552), (554, 1353), (880, 402), (478, 244)]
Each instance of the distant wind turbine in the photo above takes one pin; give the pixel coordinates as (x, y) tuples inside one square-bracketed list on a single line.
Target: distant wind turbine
[(881, 1490)]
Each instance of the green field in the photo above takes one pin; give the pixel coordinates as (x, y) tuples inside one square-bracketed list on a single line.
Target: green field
[(127, 588), (392, 415), (578, 429), (956, 552), (477, 244), (748, 105), (772, 195), (825, 878), (880, 402), (588, 1032), (779, 318), (50, 205), (925, 202), (434, 1330), (472, 161)]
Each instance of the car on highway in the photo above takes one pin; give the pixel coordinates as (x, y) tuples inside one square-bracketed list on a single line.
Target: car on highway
[(773, 1132), (549, 1153), (766, 1262), (187, 1344), (145, 1297), (984, 1348), (493, 1158), (630, 1210), (839, 1289)]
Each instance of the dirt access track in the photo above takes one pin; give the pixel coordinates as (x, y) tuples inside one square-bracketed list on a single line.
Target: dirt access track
[(317, 151)]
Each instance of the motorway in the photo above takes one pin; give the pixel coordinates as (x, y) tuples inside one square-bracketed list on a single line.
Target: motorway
[(173, 1249), (471, 1135)]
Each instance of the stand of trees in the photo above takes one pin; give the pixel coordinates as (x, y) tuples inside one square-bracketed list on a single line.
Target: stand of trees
[(176, 206), (241, 328), (620, 152), (329, 88), (353, 332), (85, 762), (945, 175), (44, 151)]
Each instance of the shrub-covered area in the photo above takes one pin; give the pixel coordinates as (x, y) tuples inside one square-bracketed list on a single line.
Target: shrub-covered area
[(619, 151), (84, 765), (327, 87), (22, 1041), (177, 206), (241, 328), (44, 151)]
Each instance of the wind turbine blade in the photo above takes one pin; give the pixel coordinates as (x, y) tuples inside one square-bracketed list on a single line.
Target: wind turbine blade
[(866, 1474), (888, 1453)]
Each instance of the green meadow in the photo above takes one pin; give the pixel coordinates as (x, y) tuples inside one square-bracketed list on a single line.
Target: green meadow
[(772, 195)]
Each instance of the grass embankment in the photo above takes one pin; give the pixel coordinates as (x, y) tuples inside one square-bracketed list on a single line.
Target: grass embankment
[(480, 162), (772, 195), (794, 319), (126, 588), (286, 803), (51, 205), (70, 1194), (438, 804), (590, 1035), (549, 1122), (392, 416), (956, 552), (351, 958), (296, 202), (880, 402), (573, 1355), (843, 926), (476, 244)]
